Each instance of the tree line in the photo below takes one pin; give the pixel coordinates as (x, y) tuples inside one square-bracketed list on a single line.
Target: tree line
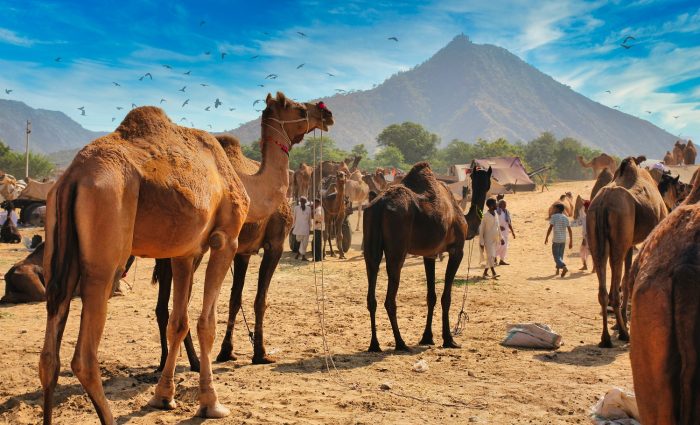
[(12, 162), (402, 145)]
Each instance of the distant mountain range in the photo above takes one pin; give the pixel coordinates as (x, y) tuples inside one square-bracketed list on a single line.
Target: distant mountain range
[(468, 91), (51, 130)]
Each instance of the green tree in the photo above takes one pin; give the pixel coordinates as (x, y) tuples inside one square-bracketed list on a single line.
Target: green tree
[(566, 165), (540, 152), (252, 150), (12, 162), (360, 150), (415, 142), (390, 156)]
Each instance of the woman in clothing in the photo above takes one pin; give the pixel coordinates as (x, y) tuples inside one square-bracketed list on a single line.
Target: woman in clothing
[(302, 227)]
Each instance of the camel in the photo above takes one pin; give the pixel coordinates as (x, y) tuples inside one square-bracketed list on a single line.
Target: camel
[(357, 192), (172, 193), (355, 161), (326, 169), (419, 216), (665, 324), (334, 215), (24, 282), (670, 190), (567, 200), (605, 177), (302, 180), (267, 234), (669, 159), (678, 150), (10, 188), (599, 163), (620, 216), (689, 153)]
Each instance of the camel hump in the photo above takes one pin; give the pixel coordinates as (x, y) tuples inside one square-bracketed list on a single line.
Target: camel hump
[(144, 121), (421, 179), (228, 140)]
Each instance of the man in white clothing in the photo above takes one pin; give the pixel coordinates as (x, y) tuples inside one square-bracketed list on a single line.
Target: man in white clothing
[(490, 237), (302, 227)]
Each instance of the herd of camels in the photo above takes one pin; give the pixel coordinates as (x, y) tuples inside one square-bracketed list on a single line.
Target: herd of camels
[(177, 193)]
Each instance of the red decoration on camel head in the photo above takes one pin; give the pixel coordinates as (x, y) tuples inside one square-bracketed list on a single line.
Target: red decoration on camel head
[(321, 105)]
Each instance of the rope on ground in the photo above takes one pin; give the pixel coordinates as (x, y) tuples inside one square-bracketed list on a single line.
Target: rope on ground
[(463, 316), (251, 334)]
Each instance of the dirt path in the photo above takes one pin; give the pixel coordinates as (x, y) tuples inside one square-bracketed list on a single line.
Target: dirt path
[(482, 382)]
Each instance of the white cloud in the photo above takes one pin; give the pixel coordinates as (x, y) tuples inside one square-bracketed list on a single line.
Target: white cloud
[(11, 37)]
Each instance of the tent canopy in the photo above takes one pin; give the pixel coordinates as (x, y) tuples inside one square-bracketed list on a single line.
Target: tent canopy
[(509, 172)]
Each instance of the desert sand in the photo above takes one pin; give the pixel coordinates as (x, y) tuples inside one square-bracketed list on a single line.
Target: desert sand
[(483, 382)]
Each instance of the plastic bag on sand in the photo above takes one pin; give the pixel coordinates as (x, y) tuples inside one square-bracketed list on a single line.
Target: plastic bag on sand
[(531, 335), (616, 407), (420, 366)]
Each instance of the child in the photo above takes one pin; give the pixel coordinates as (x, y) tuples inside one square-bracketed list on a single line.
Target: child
[(560, 224)]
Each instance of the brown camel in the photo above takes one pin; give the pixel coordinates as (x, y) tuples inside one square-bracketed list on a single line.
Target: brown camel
[(678, 150), (599, 163), (567, 200), (334, 215), (689, 153), (620, 216), (671, 190), (419, 216), (669, 159), (326, 169), (302, 180), (24, 282), (605, 177), (354, 162), (357, 193), (173, 193), (665, 321)]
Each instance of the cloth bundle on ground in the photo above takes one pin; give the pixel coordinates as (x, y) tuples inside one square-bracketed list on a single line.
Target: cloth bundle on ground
[(616, 407), (531, 335)]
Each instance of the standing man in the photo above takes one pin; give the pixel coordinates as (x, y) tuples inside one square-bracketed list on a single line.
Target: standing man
[(302, 227), (490, 237), (560, 224), (506, 229), (318, 230)]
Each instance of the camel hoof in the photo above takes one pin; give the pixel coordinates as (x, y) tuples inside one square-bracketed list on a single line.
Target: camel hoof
[(225, 357), (162, 403), (402, 347), (605, 344), (426, 340), (216, 411), (623, 336), (374, 347), (194, 367), (616, 327), (264, 359), (450, 344)]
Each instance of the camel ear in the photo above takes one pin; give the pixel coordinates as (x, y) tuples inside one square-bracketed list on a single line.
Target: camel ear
[(281, 99), (489, 171), (678, 177), (269, 100)]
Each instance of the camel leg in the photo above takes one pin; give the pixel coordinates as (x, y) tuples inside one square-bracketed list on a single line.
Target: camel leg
[(359, 217), (339, 236), (605, 341), (240, 267), (372, 265), (446, 300), (616, 265), (330, 238), (267, 268), (50, 362), (178, 326), (429, 265), (393, 269), (95, 290), (626, 292), (219, 262)]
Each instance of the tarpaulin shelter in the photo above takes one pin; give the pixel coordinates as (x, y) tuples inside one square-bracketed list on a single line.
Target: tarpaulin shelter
[(509, 172)]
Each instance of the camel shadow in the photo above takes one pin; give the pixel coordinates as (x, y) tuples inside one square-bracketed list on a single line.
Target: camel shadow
[(543, 278), (343, 361), (588, 355)]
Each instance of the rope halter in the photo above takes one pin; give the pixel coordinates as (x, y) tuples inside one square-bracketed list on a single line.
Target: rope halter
[(283, 132)]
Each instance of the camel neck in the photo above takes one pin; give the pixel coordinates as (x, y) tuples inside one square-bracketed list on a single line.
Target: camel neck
[(267, 188)]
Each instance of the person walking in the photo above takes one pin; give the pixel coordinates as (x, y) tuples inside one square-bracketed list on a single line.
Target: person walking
[(560, 224), (318, 230), (506, 230), (302, 227), (490, 237)]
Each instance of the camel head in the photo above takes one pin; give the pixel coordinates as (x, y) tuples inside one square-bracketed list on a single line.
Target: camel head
[(671, 190), (481, 183), (340, 177), (641, 158), (293, 120)]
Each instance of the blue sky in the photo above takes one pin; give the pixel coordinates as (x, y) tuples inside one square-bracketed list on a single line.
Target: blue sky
[(101, 43)]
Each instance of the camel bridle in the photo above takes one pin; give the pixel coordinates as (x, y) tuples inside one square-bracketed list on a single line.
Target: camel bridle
[(283, 131)]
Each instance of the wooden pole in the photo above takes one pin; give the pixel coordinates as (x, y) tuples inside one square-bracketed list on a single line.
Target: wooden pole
[(26, 152)]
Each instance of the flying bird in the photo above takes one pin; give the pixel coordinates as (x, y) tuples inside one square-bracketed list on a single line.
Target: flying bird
[(256, 102), (301, 66), (231, 109), (183, 119), (204, 85), (223, 55), (148, 74), (202, 23), (626, 46), (261, 85), (217, 103), (329, 74), (186, 73), (167, 66), (185, 103), (608, 91), (629, 37), (81, 108), (8, 91), (58, 59), (301, 33), (255, 57), (340, 90), (648, 112), (209, 125), (393, 38), (616, 106), (119, 108), (163, 100), (133, 105), (116, 84), (207, 108), (207, 53), (675, 117), (113, 119), (183, 89), (271, 76)]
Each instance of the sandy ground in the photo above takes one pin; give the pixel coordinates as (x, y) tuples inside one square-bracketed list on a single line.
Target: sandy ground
[(483, 382)]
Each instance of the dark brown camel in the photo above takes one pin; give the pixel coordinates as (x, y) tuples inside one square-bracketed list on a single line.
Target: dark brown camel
[(689, 153), (334, 215), (620, 216), (665, 322), (419, 216), (671, 190), (605, 177), (267, 234), (24, 282), (324, 170)]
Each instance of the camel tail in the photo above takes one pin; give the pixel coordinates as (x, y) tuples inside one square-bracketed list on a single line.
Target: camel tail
[(162, 272), (373, 247), (686, 321), (65, 248), (601, 236)]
